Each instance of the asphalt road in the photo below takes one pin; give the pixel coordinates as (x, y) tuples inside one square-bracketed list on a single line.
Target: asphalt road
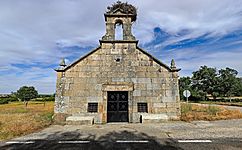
[(197, 135), (146, 144)]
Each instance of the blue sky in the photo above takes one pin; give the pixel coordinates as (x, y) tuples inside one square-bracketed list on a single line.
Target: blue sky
[(35, 35)]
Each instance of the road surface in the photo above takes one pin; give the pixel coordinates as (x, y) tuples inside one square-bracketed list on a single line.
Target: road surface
[(177, 135)]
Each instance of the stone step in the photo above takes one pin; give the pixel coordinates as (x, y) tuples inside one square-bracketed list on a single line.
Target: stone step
[(80, 120), (154, 118)]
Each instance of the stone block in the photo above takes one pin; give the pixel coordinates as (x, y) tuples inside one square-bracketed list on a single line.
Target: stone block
[(156, 80), (151, 75), (152, 69), (149, 93), (140, 86), (163, 105), (153, 86), (118, 87), (144, 80), (80, 120), (141, 74), (156, 93), (165, 99), (149, 86), (117, 79), (136, 118), (127, 79), (137, 93), (93, 99), (159, 110), (139, 99), (141, 68), (98, 87), (172, 105), (143, 93), (156, 86), (154, 118)]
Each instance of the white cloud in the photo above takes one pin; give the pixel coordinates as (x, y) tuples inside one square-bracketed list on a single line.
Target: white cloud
[(217, 17), (190, 60), (42, 79), (29, 30)]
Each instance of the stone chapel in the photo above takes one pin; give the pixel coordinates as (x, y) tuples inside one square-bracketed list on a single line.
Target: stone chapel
[(118, 81)]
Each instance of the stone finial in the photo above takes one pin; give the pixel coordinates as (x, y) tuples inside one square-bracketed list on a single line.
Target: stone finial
[(62, 63), (173, 64), (62, 66)]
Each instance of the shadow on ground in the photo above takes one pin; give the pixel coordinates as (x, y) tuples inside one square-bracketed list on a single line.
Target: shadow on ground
[(107, 141)]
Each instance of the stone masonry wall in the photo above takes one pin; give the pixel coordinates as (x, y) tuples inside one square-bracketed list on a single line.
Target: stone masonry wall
[(125, 67)]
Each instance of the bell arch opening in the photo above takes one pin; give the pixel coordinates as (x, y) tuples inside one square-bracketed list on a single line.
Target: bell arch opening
[(119, 30)]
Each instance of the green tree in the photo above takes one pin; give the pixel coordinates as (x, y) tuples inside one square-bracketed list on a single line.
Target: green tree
[(229, 83), (208, 81), (238, 87), (205, 81), (26, 93)]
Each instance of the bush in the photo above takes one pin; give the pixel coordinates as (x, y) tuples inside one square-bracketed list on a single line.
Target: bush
[(212, 110), (3, 101), (186, 108), (37, 99), (47, 116), (6, 100), (49, 98), (12, 99), (237, 100), (44, 99)]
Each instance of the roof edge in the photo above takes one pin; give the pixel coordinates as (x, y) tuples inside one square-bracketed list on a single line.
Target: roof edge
[(158, 61), (78, 60)]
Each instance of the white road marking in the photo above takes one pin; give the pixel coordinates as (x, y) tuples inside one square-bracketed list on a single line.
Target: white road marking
[(194, 141), (73, 142), (20, 142), (142, 141)]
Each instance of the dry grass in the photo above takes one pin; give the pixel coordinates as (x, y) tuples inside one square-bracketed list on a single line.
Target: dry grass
[(16, 119), (223, 103), (191, 112)]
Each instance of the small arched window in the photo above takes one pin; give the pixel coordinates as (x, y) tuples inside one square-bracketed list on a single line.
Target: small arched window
[(119, 30)]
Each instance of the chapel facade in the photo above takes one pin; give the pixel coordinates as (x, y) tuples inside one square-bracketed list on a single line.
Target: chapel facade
[(118, 81)]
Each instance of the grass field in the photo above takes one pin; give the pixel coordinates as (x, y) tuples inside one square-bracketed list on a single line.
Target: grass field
[(191, 112), (16, 119)]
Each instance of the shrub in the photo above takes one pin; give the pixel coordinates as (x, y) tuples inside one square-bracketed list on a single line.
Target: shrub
[(49, 98), (43, 99), (38, 99), (186, 108), (237, 100), (12, 99), (3, 101), (47, 116), (212, 110)]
